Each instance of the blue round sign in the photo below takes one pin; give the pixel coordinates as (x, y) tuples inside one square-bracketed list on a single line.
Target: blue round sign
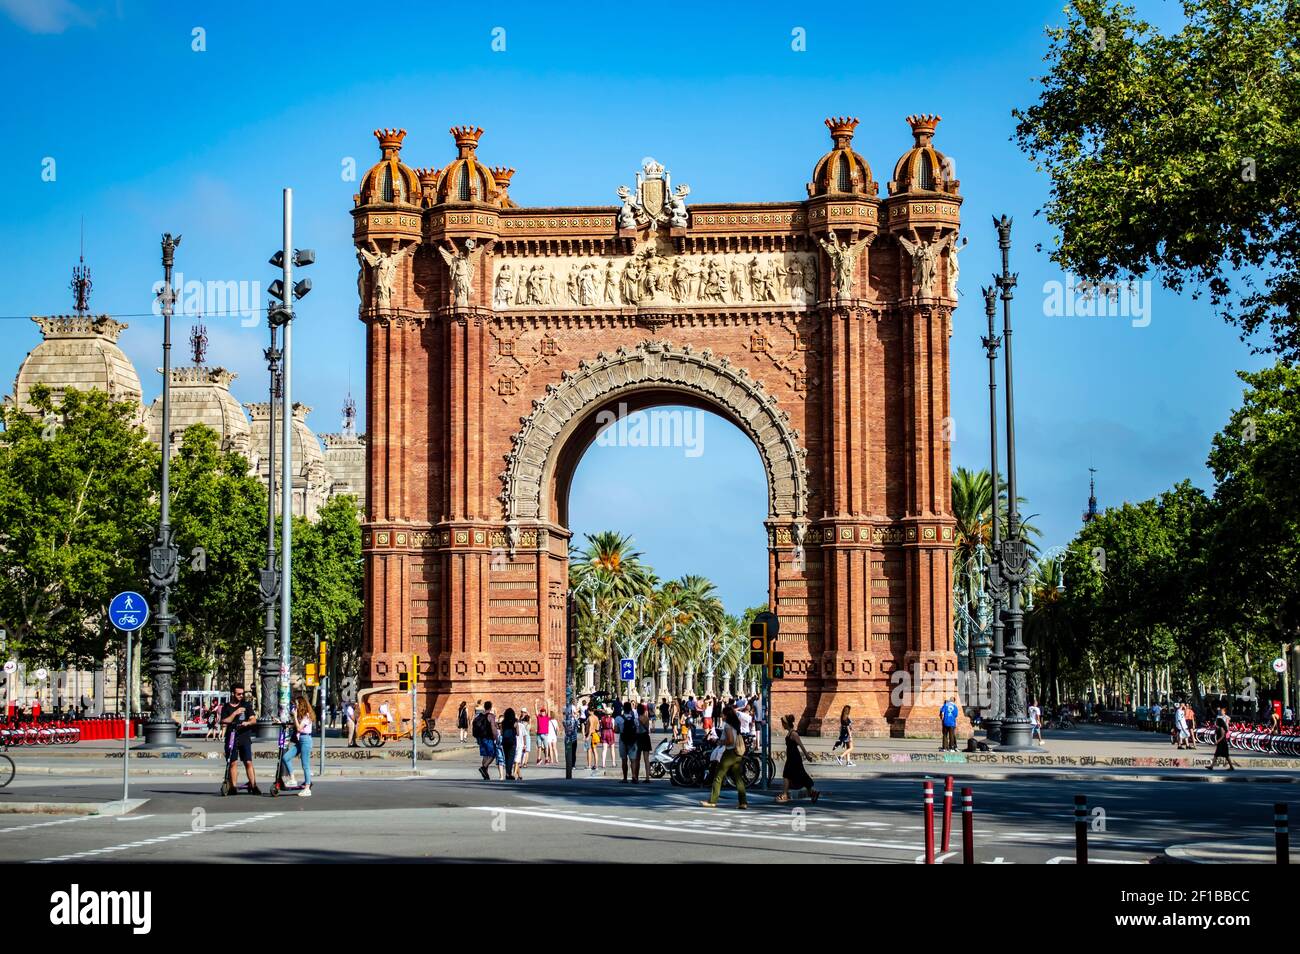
[(128, 611)]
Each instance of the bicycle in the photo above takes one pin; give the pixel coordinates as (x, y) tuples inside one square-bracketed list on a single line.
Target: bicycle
[(7, 767)]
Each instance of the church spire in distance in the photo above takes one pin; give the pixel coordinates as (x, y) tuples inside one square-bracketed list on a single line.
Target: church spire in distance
[(81, 283), (1091, 514)]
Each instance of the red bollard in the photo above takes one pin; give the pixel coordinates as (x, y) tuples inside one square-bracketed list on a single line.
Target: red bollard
[(929, 822), (967, 827), (947, 811)]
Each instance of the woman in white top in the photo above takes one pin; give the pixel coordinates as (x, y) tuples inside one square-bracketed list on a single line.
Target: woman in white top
[(525, 743), (552, 739), (304, 721)]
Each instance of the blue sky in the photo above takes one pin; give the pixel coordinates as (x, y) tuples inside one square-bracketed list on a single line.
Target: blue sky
[(149, 135)]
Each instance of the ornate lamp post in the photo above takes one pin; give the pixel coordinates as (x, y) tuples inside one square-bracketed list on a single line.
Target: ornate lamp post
[(994, 587), (1014, 565), (161, 730), (269, 672)]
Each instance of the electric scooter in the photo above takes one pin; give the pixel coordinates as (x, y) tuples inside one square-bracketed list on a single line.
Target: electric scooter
[(278, 785)]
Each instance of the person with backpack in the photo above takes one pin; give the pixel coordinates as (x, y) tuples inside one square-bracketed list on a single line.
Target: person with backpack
[(644, 744), (486, 734), (731, 764), (626, 727)]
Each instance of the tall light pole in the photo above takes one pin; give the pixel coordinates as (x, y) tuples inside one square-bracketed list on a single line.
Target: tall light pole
[(1014, 564), (161, 730), (286, 291), (267, 729), (994, 586)]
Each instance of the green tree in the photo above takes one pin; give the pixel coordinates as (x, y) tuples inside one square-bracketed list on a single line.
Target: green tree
[(328, 584), (1255, 551), (1176, 154), (218, 513), (75, 521)]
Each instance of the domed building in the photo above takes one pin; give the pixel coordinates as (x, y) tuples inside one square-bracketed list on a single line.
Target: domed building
[(842, 171), (312, 479), (78, 351), (201, 395)]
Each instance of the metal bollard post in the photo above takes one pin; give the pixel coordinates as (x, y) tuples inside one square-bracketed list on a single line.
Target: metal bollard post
[(929, 822), (1081, 829), (967, 827), (947, 811), (1282, 833)]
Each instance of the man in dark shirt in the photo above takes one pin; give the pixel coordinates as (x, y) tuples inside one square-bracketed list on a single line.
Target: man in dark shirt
[(239, 718)]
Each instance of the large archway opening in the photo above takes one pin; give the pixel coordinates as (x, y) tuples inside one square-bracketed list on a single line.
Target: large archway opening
[(665, 481)]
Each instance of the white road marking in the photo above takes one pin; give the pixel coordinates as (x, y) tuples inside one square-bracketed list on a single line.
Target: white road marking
[(61, 821), (681, 829), (1069, 860), (158, 840)]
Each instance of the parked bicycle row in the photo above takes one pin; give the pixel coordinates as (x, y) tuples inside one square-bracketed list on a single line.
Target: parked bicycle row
[(1252, 737), (39, 733)]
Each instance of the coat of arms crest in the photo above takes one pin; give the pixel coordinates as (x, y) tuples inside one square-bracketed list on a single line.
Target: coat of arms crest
[(654, 202)]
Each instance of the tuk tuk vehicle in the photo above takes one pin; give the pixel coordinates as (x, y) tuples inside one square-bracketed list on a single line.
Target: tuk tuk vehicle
[(374, 727)]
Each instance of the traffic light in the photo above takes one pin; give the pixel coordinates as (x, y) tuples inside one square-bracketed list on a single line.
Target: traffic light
[(415, 668), (324, 646), (312, 679), (758, 644), (777, 669), (404, 681)]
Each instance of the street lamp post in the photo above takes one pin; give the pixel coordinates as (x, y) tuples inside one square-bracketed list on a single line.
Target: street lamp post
[(267, 729), (161, 730), (1014, 565), (993, 578)]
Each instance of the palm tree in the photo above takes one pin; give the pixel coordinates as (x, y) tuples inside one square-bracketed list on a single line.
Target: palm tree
[(606, 574), (972, 509)]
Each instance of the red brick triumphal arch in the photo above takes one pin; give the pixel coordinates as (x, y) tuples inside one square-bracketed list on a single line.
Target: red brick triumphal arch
[(497, 334)]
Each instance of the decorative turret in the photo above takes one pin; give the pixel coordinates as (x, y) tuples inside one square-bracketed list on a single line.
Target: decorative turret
[(502, 176), (78, 351), (842, 171), (923, 168), (428, 185), (466, 179), (387, 208)]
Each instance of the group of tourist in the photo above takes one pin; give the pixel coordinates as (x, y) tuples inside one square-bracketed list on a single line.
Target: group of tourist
[(509, 740)]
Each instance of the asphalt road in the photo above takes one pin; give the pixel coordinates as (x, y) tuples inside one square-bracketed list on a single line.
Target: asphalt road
[(452, 816)]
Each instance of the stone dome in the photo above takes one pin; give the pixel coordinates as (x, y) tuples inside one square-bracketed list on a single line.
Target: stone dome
[(842, 171), (923, 168), (311, 475), (79, 351), (390, 181), (466, 179), (201, 395)]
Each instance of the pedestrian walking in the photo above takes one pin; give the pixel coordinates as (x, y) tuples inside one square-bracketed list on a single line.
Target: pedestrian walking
[(486, 734), (1035, 722), (571, 729), (643, 743), (524, 744), (1221, 741), (509, 741), (948, 716), (304, 724), (626, 727), (606, 738), (462, 720), (543, 725), (350, 722), (845, 741), (730, 765), (665, 713), (1180, 726), (708, 714), (591, 738), (214, 720), (794, 775)]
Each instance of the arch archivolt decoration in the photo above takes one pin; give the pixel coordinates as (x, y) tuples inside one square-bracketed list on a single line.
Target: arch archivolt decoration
[(653, 364)]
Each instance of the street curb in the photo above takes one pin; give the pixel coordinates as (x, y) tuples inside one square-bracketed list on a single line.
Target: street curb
[(209, 771), (113, 808), (1225, 778)]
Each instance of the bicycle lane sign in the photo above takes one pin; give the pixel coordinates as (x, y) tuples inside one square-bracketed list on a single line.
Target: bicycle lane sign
[(128, 611)]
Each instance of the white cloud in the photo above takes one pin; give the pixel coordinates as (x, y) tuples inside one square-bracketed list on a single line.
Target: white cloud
[(45, 16)]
